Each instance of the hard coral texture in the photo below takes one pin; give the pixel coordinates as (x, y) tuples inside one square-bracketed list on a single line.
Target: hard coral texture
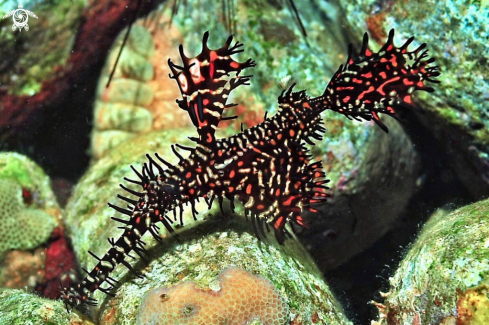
[(121, 110), (21, 228), (241, 299)]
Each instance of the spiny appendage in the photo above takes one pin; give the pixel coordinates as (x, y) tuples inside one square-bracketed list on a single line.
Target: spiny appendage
[(271, 175), (375, 82), (296, 115), (205, 84), (288, 199), (150, 207)]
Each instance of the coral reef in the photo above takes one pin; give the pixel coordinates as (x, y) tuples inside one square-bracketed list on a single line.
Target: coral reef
[(34, 251), (28, 210), (21, 228), (445, 274), (121, 109), (240, 298)]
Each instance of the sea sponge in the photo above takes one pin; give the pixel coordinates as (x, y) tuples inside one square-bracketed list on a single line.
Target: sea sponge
[(241, 299), (20, 227)]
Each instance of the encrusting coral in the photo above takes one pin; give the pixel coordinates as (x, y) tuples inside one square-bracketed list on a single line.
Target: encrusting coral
[(20, 227), (242, 297)]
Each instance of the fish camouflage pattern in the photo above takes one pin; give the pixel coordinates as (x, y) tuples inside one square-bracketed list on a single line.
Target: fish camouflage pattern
[(266, 167)]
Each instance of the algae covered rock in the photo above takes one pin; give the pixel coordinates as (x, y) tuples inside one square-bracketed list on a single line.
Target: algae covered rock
[(198, 261), (444, 277), (19, 308)]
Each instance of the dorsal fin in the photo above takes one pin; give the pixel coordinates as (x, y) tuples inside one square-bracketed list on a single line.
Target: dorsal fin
[(206, 82)]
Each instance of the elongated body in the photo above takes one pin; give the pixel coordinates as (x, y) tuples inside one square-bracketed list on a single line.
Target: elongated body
[(266, 167)]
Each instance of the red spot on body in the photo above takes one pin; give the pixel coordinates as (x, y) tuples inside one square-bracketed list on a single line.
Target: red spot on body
[(234, 65), (205, 102), (407, 82), (346, 99), (289, 201), (232, 174), (407, 99), (279, 223), (212, 56), (299, 220), (248, 189)]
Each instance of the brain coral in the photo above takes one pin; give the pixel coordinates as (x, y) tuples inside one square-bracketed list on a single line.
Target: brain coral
[(20, 228), (242, 299)]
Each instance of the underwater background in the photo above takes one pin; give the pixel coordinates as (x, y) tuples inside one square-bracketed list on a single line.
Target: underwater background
[(403, 239)]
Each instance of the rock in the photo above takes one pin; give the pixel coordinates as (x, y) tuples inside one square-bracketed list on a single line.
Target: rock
[(443, 277), (19, 307)]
